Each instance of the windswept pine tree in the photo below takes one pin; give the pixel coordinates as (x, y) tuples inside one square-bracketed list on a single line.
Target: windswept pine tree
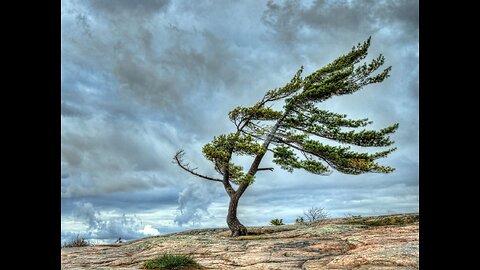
[(293, 134)]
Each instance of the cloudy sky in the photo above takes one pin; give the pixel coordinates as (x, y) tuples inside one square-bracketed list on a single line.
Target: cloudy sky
[(141, 79)]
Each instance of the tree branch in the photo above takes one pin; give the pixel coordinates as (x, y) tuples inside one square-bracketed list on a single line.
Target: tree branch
[(249, 118), (256, 162), (265, 169), (299, 148), (178, 158)]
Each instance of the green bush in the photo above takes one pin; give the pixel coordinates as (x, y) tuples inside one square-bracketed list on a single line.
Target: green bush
[(276, 222), (299, 221), (77, 242), (172, 262)]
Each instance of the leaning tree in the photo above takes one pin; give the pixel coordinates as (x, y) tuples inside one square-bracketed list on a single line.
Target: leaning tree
[(293, 133)]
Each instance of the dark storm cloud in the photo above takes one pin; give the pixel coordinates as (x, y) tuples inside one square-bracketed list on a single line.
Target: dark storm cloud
[(98, 159), (129, 201), (141, 79), (128, 7), (290, 19), (185, 67), (190, 71)]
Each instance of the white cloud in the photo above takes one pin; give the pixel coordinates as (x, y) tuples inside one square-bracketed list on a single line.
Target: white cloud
[(149, 230)]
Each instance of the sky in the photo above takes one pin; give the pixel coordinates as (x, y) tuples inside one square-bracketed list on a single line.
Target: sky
[(143, 79)]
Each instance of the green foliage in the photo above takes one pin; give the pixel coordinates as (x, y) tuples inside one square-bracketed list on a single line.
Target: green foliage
[(295, 84), (328, 125), (253, 113), (341, 77), (296, 133), (220, 151), (173, 262), (221, 147), (288, 160), (276, 222), (309, 116), (77, 242), (299, 220), (304, 123)]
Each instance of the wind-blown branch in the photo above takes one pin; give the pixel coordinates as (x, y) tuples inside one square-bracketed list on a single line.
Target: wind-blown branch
[(178, 158)]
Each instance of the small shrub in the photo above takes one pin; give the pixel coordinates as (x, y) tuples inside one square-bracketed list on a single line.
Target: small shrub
[(299, 221), (276, 222), (77, 242), (315, 214), (172, 262), (352, 216)]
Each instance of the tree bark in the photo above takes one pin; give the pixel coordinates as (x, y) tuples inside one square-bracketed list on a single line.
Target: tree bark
[(234, 224)]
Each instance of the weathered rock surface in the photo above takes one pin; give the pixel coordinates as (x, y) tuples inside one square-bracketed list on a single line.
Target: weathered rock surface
[(332, 244)]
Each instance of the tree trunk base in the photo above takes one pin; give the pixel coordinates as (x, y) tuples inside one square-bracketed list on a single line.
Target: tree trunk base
[(239, 231), (234, 224)]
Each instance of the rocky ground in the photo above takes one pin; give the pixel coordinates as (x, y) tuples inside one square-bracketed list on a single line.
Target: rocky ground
[(385, 242)]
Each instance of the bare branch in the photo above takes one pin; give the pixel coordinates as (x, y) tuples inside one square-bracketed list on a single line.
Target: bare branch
[(265, 169), (316, 214), (178, 158)]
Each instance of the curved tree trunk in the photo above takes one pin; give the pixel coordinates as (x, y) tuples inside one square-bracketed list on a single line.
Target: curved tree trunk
[(234, 224)]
